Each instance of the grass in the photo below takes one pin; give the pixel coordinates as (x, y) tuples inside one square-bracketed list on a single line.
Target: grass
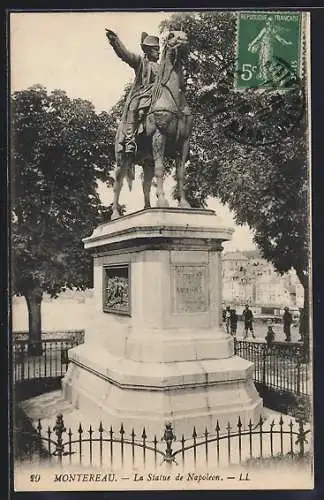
[(285, 402), (26, 389)]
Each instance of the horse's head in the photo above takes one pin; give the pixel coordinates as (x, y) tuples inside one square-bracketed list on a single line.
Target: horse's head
[(177, 40)]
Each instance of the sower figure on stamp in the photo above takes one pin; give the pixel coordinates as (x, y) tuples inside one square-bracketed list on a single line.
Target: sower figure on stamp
[(264, 44)]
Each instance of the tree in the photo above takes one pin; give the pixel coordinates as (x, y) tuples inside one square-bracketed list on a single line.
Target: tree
[(60, 148), (260, 172)]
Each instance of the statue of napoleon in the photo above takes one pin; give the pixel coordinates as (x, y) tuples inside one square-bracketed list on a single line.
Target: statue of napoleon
[(156, 119)]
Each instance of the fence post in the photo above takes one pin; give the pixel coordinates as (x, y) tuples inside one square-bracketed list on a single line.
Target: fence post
[(155, 442), (217, 440), (168, 437), (45, 359), (301, 439), (144, 436), (39, 440), (206, 445), (122, 432), (228, 428), (80, 431), (22, 353), (59, 429), (298, 375), (133, 446), (101, 429), (264, 357)]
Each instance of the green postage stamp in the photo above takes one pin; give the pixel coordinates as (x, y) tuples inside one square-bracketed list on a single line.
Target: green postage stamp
[(265, 39)]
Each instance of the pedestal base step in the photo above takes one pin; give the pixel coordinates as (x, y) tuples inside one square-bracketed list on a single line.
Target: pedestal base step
[(196, 393)]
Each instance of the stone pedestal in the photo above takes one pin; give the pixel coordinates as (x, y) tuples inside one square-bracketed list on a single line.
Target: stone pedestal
[(156, 349)]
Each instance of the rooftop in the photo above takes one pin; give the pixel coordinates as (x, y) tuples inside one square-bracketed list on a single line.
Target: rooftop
[(235, 256)]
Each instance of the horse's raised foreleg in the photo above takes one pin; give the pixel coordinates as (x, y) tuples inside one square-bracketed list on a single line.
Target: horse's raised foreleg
[(148, 174), (118, 184), (180, 171), (158, 149)]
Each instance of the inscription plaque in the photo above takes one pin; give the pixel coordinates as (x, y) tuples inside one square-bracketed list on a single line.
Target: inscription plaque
[(191, 293)]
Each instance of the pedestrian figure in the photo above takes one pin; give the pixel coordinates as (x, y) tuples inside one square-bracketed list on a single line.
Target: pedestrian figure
[(233, 322), (228, 319), (287, 321), (302, 326), (224, 314), (248, 322), (270, 336)]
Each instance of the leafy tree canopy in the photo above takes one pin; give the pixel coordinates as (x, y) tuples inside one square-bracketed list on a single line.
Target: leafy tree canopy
[(60, 147)]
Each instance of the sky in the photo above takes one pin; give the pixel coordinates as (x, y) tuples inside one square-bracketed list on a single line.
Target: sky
[(69, 51)]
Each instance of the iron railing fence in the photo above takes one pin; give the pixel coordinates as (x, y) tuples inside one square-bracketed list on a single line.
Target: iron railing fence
[(102, 446), (52, 363), (280, 366), (52, 335)]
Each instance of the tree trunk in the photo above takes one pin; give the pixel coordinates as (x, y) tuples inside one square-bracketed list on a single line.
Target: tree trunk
[(304, 326), (34, 301)]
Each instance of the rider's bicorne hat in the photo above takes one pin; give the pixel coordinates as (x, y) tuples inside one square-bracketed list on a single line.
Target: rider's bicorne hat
[(150, 41)]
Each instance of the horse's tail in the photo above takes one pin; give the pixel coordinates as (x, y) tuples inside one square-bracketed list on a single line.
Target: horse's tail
[(130, 176)]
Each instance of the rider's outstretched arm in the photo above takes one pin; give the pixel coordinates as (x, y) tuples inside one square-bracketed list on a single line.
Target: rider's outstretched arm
[(122, 52)]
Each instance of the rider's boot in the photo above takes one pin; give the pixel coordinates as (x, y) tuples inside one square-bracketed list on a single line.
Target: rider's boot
[(140, 121)]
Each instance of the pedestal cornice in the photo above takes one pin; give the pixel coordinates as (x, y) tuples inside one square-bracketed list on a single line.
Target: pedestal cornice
[(157, 226)]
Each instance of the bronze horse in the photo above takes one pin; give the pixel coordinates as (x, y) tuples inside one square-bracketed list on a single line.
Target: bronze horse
[(168, 125)]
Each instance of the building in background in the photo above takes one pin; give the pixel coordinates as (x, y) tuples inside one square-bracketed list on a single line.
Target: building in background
[(249, 279), (237, 285)]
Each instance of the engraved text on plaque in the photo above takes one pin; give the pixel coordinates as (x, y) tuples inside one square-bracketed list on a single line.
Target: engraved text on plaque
[(191, 293)]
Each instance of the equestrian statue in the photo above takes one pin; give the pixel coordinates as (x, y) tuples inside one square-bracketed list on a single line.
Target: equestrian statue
[(156, 121)]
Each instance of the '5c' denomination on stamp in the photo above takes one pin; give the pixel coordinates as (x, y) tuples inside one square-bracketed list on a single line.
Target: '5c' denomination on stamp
[(262, 39)]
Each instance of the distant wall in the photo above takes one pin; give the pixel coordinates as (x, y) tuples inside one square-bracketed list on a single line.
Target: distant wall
[(70, 311)]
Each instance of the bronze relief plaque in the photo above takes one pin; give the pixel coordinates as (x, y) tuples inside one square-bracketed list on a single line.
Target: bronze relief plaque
[(116, 289)]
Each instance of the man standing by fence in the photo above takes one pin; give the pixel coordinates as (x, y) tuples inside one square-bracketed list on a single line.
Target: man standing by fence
[(287, 321), (270, 336), (233, 322), (248, 322), (228, 319)]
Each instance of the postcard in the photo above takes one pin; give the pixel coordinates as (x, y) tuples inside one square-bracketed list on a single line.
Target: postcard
[(160, 238)]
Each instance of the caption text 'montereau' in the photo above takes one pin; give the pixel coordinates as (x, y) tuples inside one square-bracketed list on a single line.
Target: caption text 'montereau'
[(149, 477)]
